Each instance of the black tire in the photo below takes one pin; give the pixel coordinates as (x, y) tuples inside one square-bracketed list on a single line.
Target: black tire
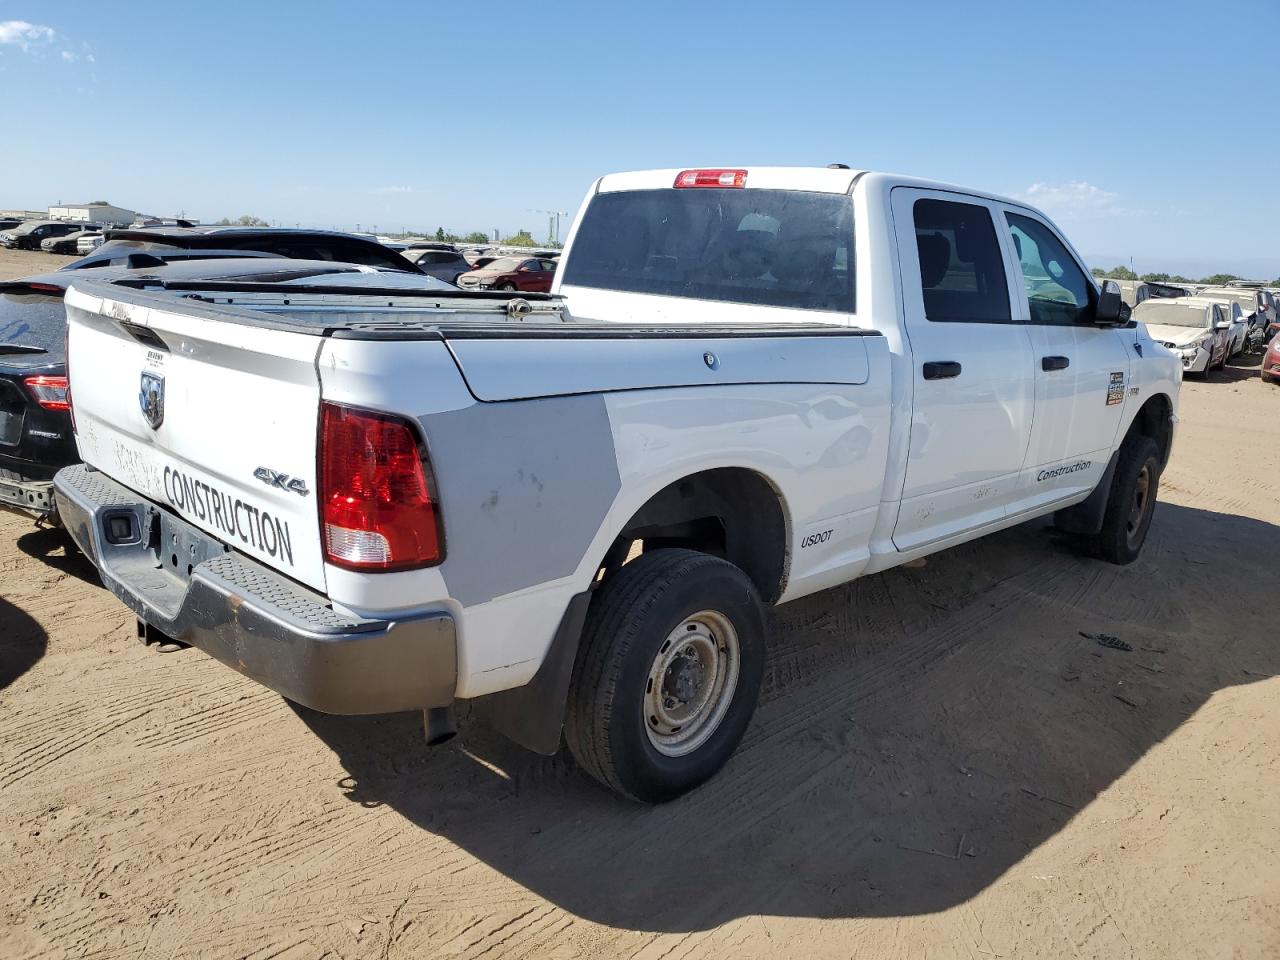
[(506, 286), (1130, 503), (628, 626)]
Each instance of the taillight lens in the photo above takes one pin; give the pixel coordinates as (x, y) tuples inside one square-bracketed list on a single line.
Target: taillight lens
[(50, 392), (711, 178), (378, 508), (66, 352)]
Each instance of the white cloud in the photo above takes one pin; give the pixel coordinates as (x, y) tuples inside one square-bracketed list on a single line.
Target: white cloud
[(68, 56), (1075, 196), (1077, 200), (391, 189), (21, 34)]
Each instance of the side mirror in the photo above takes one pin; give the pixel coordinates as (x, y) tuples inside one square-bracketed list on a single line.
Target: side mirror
[(1110, 309), (1224, 324)]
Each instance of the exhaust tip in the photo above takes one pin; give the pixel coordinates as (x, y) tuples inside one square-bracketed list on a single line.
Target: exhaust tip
[(441, 727)]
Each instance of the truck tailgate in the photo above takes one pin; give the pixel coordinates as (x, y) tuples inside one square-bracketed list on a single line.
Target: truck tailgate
[(216, 421)]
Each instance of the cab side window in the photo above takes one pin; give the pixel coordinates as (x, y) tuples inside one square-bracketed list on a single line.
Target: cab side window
[(961, 268), (1058, 292)]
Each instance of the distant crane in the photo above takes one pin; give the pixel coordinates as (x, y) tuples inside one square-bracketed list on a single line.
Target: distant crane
[(553, 223)]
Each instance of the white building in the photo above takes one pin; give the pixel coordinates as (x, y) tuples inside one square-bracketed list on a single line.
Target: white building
[(96, 212)]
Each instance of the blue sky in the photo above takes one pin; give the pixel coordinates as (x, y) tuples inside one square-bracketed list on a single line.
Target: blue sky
[(1147, 129)]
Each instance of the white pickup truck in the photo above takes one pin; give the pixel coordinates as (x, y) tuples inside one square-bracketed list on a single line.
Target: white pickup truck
[(747, 386)]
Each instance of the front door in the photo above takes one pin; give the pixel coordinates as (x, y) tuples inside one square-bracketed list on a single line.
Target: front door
[(973, 387), (1081, 370)]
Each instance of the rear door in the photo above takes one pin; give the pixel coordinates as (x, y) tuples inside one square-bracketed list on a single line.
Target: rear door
[(974, 391), (214, 420), (1081, 371)]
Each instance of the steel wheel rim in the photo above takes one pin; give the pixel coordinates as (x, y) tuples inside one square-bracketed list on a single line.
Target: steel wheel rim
[(691, 683), (1141, 498)]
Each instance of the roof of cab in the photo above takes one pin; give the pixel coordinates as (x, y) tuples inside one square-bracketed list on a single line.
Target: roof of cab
[(816, 179)]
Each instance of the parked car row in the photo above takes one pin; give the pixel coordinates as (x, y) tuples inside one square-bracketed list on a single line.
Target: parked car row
[(31, 234), (1216, 324), (470, 267), (475, 268), (70, 243)]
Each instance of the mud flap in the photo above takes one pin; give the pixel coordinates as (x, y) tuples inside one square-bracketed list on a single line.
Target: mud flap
[(533, 715), (1086, 517)]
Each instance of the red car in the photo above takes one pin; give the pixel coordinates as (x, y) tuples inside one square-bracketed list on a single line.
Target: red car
[(530, 274), (1271, 361)]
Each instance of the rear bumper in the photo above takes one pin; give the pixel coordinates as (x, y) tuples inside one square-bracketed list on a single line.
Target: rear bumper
[(31, 497), (238, 611)]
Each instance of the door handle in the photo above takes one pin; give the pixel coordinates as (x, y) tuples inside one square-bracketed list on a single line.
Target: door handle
[(941, 369), (1054, 363)]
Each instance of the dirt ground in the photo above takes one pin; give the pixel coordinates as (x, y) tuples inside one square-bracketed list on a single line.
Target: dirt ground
[(941, 767)]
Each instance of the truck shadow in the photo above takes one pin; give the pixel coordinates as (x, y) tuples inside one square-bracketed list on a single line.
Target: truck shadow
[(920, 732), (54, 547), (22, 642)]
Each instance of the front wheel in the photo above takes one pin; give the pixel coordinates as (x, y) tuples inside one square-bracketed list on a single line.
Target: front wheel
[(506, 286), (667, 675), (1131, 502)]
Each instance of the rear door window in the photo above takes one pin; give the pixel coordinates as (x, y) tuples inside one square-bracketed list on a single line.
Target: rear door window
[(961, 266), (783, 248)]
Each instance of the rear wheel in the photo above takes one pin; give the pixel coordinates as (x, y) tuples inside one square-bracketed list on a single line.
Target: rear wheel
[(667, 674), (1131, 502)]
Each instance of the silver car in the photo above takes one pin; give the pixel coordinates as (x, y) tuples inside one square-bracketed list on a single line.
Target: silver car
[(1253, 303)]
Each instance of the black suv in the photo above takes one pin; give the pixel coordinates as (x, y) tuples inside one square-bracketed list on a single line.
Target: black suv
[(131, 246)]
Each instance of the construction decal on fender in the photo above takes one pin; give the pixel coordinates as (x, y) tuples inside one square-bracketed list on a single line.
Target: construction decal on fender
[(252, 525)]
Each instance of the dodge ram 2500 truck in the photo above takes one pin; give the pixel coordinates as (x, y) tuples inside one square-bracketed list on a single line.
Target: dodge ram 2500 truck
[(753, 384)]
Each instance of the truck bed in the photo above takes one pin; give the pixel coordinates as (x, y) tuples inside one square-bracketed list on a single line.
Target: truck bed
[(510, 347)]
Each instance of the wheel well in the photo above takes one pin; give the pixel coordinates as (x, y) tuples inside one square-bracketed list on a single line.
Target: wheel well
[(730, 512), (1154, 421)]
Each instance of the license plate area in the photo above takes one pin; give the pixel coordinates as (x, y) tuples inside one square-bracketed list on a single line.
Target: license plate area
[(12, 410), (182, 547)]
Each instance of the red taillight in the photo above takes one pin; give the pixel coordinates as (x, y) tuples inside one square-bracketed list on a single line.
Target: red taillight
[(378, 511), (50, 392), (711, 178)]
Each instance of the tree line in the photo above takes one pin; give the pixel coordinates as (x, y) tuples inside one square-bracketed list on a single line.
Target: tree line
[(1124, 273)]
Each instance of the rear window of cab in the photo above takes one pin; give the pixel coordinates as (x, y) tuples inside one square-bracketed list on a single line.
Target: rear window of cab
[(780, 248)]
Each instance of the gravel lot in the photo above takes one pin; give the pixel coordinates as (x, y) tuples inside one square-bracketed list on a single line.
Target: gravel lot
[(941, 766)]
